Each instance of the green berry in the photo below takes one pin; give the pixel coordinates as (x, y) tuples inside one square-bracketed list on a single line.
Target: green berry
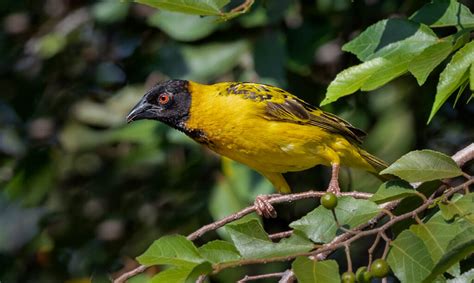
[(379, 268), (348, 277), (363, 275), (329, 200)]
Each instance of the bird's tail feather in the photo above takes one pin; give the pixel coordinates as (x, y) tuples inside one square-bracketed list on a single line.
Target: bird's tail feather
[(378, 165)]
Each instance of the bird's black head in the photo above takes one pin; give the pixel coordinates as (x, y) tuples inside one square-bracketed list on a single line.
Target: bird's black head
[(168, 102)]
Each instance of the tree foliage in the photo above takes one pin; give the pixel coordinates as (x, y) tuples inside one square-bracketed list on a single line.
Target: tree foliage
[(388, 49), (84, 195)]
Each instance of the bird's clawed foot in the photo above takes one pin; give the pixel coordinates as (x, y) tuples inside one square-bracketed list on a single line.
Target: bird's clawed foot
[(263, 207)]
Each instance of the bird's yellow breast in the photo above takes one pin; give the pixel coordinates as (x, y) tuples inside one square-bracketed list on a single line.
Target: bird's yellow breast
[(237, 128)]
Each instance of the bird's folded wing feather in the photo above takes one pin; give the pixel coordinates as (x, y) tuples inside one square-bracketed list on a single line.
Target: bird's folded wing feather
[(282, 106), (298, 111)]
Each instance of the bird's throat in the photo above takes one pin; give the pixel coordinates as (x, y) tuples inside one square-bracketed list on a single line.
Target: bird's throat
[(196, 134)]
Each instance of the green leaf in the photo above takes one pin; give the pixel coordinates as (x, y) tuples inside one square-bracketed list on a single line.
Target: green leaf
[(397, 64), (110, 11), (453, 76), (462, 207), (197, 7), (51, 44), (174, 274), (443, 13), (183, 27), (467, 276), (231, 194), (173, 250), (245, 182), (219, 251), (201, 62), (205, 62), (251, 229), (461, 89), (424, 63), (319, 225), (389, 45), (252, 241), (269, 57), (351, 79), (181, 274), (392, 190), (312, 271), (409, 258), (471, 77), (19, 224), (436, 234), (423, 165), (459, 247), (390, 37)]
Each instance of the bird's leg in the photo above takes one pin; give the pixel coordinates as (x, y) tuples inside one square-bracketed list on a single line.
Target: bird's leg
[(334, 183), (263, 207)]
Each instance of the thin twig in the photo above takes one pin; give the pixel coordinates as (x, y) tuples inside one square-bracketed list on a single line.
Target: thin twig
[(288, 277), (388, 241), (280, 235), (201, 278), (242, 8), (464, 155), (123, 278), (277, 199), (347, 249), (386, 206), (389, 213), (248, 278), (372, 249)]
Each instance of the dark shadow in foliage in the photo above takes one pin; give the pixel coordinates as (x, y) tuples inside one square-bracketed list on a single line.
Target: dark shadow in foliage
[(394, 33), (433, 12), (171, 60)]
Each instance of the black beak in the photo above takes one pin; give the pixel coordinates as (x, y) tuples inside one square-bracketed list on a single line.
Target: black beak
[(143, 110)]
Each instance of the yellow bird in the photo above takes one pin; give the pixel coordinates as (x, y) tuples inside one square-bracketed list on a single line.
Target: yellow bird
[(262, 126)]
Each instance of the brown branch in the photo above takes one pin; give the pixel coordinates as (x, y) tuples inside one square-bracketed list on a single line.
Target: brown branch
[(288, 277), (123, 278), (372, 249), (388, 241), (248, 278), (464, 155), (238, 215), (280, 235), (385, 207), (242, 8), (345, 239), (347, 249), (274, 199), (201, 278)]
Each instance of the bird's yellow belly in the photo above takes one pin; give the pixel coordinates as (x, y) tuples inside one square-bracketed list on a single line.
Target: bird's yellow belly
[(274, 146)]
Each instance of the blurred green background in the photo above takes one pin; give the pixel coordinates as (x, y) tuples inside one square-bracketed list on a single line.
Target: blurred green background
[(82, 193)]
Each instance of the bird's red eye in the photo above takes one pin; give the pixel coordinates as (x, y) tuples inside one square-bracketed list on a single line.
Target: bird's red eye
[(164, 98)]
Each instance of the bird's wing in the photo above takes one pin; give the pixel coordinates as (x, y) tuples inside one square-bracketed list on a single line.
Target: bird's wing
[(283, 106), (298, 111)]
